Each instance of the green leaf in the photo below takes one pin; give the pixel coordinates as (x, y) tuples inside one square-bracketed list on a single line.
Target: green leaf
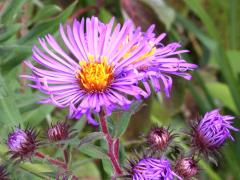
[(8, 31), (125, 116), (93, 151), (35, 117), (10, 11), (207, 41), (210, 172), (196, 7), (228, 75), (36, 169), (45, 12), (221, 92), (105, 15), (220, 56), (12, 55), (48, 26), (107, 166), (91, 137), (234, 59), (9, 111), (233, 21), (165, 13)]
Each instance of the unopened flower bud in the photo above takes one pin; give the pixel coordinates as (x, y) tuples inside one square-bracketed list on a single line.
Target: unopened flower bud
[(58, 132), (158, 138), (186, 167), (22, 143)]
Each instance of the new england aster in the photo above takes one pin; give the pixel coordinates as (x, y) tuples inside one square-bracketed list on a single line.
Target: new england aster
[(152, 169), (212, 131), (166, 61), (102, 66)]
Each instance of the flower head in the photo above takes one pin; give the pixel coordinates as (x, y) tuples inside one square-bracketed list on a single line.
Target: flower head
[(3, 173), (97, 70), (212, 131), (186, 167), (22, 143), (166, 61), (58, 132), (158, 138), (149, 168)]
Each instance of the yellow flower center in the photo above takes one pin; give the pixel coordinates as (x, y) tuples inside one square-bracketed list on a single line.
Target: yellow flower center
[(95, 76)]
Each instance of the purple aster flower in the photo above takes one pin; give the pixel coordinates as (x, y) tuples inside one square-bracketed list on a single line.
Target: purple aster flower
[(166, 61), (186, 167), (22, 143), (97, 69), (152, 169), (211, 132), (58, 132)]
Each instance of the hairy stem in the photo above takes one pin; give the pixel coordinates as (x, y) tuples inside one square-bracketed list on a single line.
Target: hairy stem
[(113, 145), (55, 162)]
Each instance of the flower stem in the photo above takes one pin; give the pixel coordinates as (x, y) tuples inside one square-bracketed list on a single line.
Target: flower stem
[(113, 145), (51, 160), (58, 163)]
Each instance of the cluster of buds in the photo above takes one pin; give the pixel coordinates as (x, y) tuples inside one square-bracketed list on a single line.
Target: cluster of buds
[(23, 143), (207, 136)]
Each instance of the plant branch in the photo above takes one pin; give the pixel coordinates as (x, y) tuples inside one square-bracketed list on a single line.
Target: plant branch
[(58, 163), (113, 145)]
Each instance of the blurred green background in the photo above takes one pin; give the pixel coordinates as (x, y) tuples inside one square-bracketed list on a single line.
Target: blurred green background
[(208, 28)]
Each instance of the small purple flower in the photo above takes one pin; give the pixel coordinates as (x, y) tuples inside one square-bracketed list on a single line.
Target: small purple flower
[(58, 132), (212, 131), (95, 71), (166, 61), (186, 167), (3, 173), (22, 143), (152, 169)]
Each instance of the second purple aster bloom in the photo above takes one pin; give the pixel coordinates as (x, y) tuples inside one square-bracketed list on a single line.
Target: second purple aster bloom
[(167, 61), (212, 131)]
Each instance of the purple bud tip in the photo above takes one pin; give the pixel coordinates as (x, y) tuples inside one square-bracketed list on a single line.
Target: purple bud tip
[(152, 168), (212, 131), (158, 138), (16, 139), (22, 143), (58, 132), (186, 167)]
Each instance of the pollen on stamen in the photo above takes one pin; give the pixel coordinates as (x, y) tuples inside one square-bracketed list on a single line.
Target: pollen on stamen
[(95, 76)]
